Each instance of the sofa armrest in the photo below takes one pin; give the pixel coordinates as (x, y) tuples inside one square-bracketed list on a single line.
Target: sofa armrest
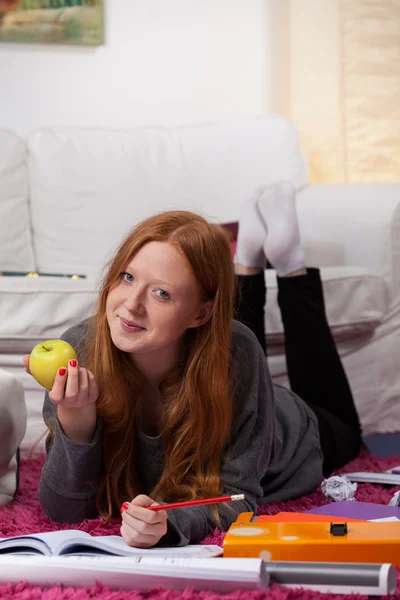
[(353, 224)]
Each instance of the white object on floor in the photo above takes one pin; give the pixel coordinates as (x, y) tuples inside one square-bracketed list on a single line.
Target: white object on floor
[(12, 431), (216, 574), (395, 501), (338, 488), (383, 478), (219, 575), (385, 520)]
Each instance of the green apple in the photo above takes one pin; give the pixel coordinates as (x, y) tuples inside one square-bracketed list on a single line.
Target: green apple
[(46, 358)]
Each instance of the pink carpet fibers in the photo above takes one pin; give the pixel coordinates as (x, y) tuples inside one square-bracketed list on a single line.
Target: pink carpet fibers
[(24, 515)]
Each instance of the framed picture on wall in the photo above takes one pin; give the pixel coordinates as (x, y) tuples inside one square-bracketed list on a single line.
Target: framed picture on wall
[(78, 22)]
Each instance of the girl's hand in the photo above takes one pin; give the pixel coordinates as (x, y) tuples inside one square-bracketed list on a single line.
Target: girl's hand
[(74, 392), (26, 364), (141, 527), (74, 387)]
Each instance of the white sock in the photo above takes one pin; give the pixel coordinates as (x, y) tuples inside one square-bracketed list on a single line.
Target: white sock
[(282, 246), (251, 234)]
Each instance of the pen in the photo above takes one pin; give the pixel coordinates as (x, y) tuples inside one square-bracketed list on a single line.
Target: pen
[(233, 498), (36, 274)]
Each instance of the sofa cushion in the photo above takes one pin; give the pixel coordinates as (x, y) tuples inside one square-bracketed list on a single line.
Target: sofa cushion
[(76, 174), (225, 162), (75, 177), (356, 301), (16, 252), (35, 309)]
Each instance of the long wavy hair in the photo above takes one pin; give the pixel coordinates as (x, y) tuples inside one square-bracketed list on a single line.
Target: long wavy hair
[(196, 396)]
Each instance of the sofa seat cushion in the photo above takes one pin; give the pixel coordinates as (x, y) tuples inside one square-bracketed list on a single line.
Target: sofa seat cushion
[(356, 301), (35, 309)]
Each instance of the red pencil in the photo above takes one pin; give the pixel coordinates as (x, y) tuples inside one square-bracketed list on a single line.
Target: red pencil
[(197, 502)]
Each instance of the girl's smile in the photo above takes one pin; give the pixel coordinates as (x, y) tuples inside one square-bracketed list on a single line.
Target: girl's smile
[(130, 326)]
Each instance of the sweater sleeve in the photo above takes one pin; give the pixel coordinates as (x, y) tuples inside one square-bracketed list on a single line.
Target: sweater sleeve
[(249, 450), (68, 484)]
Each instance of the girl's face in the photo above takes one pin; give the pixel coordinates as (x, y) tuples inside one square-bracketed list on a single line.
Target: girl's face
[(155, 301)]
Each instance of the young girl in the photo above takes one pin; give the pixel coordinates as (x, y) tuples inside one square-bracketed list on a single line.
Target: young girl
[(172, 398)]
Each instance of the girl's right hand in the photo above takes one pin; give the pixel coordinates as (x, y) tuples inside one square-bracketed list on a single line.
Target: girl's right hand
[(74, 392), (74, 387)]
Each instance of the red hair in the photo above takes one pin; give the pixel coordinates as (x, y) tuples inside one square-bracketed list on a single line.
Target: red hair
[(196, 396)]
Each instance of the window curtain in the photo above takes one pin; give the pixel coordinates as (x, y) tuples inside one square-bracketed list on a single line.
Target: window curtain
[(337, 76)]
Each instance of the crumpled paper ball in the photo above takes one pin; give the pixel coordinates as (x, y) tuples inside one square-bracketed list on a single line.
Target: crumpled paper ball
[(338, 488)]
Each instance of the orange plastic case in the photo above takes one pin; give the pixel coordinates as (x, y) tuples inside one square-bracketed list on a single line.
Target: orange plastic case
[(364, 542)]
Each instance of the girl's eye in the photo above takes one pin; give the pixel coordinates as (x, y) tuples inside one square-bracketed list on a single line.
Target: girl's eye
[(126, 276), (162, 294)]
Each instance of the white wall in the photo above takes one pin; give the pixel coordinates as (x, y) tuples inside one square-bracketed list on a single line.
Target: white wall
[(171, 62)]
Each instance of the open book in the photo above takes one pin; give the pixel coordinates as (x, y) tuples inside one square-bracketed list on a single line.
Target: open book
[(78, 543)]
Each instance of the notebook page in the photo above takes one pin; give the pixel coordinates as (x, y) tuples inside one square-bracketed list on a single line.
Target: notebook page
[(37, 543)]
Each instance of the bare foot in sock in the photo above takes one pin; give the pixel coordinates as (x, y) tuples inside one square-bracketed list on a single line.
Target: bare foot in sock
[(282, 246), (251, 234)]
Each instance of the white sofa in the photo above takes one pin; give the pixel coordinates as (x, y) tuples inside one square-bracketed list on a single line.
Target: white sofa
[(67, 196)]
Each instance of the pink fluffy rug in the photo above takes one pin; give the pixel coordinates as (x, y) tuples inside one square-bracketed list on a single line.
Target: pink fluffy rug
[(24, 515)]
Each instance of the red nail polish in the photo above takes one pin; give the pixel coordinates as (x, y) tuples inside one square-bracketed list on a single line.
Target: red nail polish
[(62, 371), (124, 507), (72, 363)]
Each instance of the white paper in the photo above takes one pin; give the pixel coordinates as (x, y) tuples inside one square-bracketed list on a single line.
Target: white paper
[(338, 488), (385, 478), (397, 469), (384, 520), (217, 574)]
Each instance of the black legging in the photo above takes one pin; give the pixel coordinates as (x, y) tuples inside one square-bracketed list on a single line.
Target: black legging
[(314, 367)]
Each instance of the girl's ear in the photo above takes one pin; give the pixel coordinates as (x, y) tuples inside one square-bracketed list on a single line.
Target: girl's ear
[(204, 314)]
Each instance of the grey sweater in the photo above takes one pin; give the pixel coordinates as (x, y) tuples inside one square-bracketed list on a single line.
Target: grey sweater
[(273, 452)]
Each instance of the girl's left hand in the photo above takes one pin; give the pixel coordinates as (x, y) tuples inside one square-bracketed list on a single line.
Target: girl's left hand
[(141, 527)]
